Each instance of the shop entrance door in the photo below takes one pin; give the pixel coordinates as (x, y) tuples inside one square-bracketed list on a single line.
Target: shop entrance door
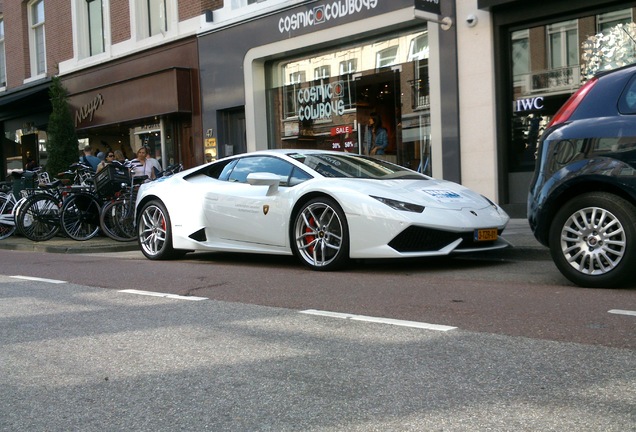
[(380, 93)]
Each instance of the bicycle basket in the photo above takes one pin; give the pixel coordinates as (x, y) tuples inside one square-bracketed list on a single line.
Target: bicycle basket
[(109, 180)]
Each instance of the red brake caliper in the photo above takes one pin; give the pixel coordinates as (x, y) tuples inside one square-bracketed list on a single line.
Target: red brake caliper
[(310, 238)]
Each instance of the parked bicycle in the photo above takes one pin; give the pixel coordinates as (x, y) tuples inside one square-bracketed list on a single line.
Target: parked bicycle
[(118, 215), (38, 217), (13, 194)]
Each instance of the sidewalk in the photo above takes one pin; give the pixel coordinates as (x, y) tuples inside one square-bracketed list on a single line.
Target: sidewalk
[(525, 246)]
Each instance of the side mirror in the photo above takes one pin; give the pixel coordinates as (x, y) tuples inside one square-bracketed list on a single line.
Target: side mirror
[(264, 179)]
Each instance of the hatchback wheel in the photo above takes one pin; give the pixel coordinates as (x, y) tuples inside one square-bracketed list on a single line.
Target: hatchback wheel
[(593, 240)]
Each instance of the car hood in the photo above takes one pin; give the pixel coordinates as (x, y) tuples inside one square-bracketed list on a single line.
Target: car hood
[(429, 193)]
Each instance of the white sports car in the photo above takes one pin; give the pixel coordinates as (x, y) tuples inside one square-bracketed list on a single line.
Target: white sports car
[(324, 207)]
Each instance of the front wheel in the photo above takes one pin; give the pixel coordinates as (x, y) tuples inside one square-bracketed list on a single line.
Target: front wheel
[(7, 218), (38, 218), (320, 236), (154, 233), (593, 240)]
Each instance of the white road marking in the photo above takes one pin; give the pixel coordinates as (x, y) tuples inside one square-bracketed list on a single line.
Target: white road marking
[(31, 278), (622, 312), (164, 295), (396, 322)]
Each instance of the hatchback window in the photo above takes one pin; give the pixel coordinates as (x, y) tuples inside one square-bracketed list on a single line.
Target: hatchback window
[(627, 102)]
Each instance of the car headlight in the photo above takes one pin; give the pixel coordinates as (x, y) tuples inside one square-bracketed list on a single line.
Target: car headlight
[(400, 205)]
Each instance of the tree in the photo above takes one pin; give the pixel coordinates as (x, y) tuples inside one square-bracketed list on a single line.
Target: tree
[(606, 51), (62, 146)]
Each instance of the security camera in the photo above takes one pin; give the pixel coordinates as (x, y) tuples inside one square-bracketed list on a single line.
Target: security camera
[(471, 20)]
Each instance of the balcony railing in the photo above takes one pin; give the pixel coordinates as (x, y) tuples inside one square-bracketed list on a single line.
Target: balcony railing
[(550, 81)]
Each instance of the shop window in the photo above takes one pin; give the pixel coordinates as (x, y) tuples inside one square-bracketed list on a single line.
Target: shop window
[(387, 57), (3, 63), (521, 60), (36, 38), (606, 21)]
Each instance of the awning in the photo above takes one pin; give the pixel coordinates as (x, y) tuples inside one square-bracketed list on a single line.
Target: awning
[(24, 92)]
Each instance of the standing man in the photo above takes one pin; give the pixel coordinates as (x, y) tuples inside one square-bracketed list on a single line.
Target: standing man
[(89, 159)]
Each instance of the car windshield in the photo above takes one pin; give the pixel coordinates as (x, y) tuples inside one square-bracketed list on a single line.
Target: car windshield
[(355, 166)]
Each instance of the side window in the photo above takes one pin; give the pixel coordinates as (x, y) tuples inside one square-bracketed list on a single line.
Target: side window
[(221, 171), (254, 164), (627, 102), (298, 176)]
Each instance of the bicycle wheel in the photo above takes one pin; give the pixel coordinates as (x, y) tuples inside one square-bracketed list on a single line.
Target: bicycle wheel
[(38, 218), (117, 220), (7, 218), (80, 216)]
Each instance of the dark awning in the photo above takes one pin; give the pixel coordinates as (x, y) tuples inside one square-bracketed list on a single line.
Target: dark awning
[(25, 91)]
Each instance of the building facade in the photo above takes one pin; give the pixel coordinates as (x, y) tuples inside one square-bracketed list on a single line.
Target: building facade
[(463, 88), (130, 69)]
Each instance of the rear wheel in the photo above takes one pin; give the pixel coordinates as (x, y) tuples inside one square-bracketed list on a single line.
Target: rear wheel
[(38, 218), (80, 216), (154, 233), (320, 237), (116, 220), (593, 240)]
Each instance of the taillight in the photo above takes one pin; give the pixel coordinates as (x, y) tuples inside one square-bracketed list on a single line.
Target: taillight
[(564, 113)]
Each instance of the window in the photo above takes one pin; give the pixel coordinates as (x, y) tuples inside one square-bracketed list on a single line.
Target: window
[(348, 66), (95, 21), (157, 17), (295, 79), (418, 49), (605, 22), (563, 44), (3, 63), (154, 17), (261, 164), (322, 72), (386, 57), (36, 38)]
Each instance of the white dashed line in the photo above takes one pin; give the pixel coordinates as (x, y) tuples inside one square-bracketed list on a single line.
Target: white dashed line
[(37, 279), (622, 312), (390, 321), (164, 295)]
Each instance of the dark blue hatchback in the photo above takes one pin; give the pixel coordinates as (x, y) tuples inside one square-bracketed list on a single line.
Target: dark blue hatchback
[(582, 198)]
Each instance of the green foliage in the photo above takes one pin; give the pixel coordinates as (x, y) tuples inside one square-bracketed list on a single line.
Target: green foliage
[(62, 144)]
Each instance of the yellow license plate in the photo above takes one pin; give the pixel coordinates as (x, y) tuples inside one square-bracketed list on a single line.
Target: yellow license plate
[(489, 234)]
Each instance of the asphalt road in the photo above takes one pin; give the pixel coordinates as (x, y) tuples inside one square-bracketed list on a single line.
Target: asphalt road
[(75, 357)]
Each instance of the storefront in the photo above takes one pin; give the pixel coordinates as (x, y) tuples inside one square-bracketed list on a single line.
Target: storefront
[(311, 76), (544, 53), (150, 99), (24, 115)]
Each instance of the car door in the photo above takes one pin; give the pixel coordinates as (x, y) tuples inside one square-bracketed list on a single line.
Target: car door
[(241, 212)]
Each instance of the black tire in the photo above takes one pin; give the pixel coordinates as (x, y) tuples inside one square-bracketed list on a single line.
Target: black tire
[(7, 217), (38, 218), (117, 220), (154, 232), (80, 216), (593, 240), (320, 235)]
